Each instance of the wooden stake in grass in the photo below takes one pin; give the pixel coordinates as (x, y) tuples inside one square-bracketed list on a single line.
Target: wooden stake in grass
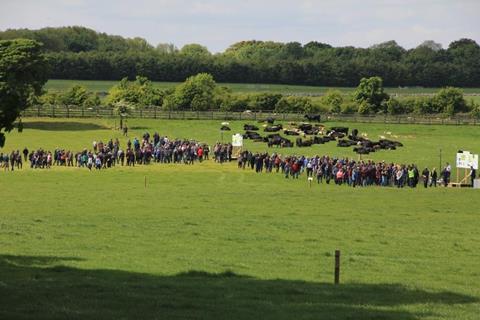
[(337, 266)]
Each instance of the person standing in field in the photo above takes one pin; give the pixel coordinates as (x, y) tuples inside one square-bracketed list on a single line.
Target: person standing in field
[(433, 177), (200, 153), (425, 176), (411, 177), (448, 170), (12, 159), (25, 154), (445, 176), (473, 175)]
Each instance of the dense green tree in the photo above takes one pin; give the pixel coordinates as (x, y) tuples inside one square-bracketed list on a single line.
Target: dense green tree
[(82, 53), (450, 101), (333, 100), (370, 94), (196, 93), (75, 96), (139, 93), (23, 72), (195, 50), (294, 104), (394, 106)]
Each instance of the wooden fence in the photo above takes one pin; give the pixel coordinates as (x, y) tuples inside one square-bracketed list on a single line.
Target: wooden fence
[(157, 113)]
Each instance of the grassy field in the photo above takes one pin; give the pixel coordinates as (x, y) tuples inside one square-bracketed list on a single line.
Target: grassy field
[(211, 241), (60, 85)]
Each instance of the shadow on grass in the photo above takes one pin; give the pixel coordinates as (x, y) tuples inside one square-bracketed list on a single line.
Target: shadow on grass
[(40, 288), (62, 126)]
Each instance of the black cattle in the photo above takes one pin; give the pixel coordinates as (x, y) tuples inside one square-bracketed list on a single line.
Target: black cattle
[(335, 134), (391, 142), (273, 135), (305, 126), (250, 127), (311, 132), (355, 132), (319, 140), (287, 143), (356, 138), (225, 128), (290, 132), (362, 150), (313, 117), (340, 129), (345, 143), (306, 143), (279, 142), (366, 143), (322, 140), (252, 135), (274, 128)]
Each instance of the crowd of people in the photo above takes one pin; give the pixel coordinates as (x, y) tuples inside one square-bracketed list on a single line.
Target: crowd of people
[(340, 171), (158, 149), (344, 171)]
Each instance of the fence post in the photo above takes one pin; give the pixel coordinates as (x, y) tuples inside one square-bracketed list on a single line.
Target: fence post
[(53, 111), (154, 112), (83, 111), (337, 267), (38, 111), (68, 111)]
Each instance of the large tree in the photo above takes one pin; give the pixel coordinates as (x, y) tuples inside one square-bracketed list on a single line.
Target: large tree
[(370, 94), (23, 72)]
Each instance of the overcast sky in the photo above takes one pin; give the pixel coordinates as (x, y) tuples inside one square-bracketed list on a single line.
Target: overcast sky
[(217, 24)]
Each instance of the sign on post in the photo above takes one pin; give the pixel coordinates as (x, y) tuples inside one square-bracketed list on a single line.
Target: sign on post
[(237, 140), (466, 160), (237, 144)]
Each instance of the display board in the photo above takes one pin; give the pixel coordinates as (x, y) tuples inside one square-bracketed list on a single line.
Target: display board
[(467, 160), (237, 140)]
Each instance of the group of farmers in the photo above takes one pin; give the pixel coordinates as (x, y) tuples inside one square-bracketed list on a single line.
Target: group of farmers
[(343, 171), (105, 155)]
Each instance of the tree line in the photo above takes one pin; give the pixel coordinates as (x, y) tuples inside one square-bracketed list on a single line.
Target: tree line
[(82, 53), (201, 93)]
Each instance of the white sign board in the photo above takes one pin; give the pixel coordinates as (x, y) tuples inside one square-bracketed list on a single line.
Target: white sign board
[(237, 140), (467, 160)]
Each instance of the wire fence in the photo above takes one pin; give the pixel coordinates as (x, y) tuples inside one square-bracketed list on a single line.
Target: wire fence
[(158, 113)]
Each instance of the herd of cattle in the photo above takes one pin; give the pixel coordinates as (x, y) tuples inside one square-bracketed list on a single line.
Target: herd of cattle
[(309, 134)]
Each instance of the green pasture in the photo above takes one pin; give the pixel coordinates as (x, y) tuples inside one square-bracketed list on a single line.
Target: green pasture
[(422, 143), (95, 85), (211, 241)]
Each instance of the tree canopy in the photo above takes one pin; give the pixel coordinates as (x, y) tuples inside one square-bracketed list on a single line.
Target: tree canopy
[(23, 72), (81, 53)]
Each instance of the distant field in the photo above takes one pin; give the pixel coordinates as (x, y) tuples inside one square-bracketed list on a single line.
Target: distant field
[(59, 85), (212, 241)]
